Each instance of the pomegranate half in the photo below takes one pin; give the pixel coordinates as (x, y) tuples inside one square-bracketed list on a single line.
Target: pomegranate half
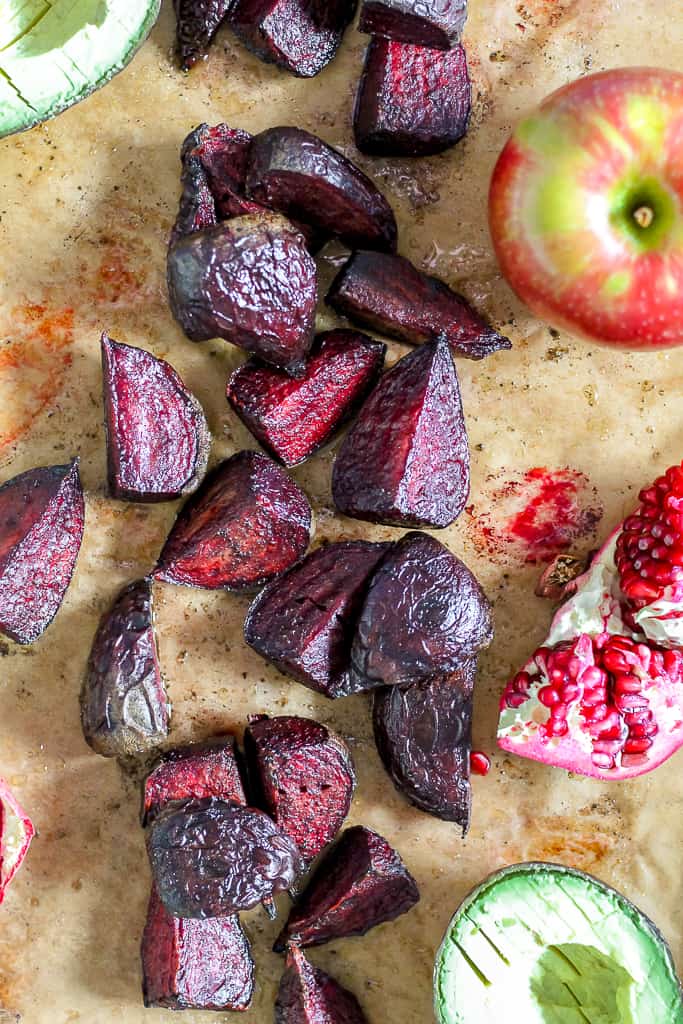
[(16, 833)]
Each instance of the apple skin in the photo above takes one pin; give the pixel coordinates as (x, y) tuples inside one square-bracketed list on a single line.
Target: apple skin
[(586, 208)]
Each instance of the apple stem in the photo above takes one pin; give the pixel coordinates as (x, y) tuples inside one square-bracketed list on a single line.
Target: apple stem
[(644, 216)]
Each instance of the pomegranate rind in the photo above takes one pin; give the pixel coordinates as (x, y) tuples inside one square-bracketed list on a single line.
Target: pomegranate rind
[(16, 833)]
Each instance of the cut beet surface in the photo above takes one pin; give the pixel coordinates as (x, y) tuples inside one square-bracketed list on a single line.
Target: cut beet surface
[(42, 515), (304, 621), (192, 773), (309, 996), (157, 438), (16, 833), (411, 101), (250, 281), (388, 294), (434, 23), (197, 22), (124, 709), (405, 461), (247, 523), (361, 883), (196, 209), (298, 174), (292, 419)]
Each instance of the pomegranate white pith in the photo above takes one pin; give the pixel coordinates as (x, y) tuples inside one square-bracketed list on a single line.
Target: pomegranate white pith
[(16, 833)]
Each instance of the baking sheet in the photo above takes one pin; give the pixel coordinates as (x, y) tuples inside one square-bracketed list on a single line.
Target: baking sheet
[(86, 203)]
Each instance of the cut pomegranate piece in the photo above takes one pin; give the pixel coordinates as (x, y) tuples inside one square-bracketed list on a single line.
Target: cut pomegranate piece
[(124, 709), (292, 419), (197, 22), (309, 996), (195, 964), (388, 294), (298, 174), (406, 461), (303, 777), (16, 833), (196, 209), (304, 621), (42, 515), (250, 281), (361, 883), (411, 101), (435, 23), (204, 769), (247, 524)]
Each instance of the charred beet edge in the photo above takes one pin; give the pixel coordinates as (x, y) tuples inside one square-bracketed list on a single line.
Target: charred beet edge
[(197, 209), (390, 295), (304, 621), (192, 773), (195, 965), (361, 883), (292, 419), (124, 709), (197, 22), (16, 833), (210, 858), (303, 775), (435, 23), (411, 101), (298, 174), (42, 515), (309, 996), (247, 523), (405, 461), (424, 614), (250, 281), (157, 438)]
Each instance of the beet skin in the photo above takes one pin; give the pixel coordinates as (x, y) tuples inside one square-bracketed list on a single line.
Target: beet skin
[(309, 996), (431, 23), (196, 209), (197, 22), (204, 769)]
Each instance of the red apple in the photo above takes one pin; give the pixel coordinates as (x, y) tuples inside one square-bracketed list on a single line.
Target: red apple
[(586, 208)]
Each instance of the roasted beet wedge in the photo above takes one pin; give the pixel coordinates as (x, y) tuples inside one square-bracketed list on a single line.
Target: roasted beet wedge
[(248, 523), (192, 773), (195, 965), (196, 209), (303, 777), (124, 710), (309, 996), (424, 614), (42, 515), (197, 22), (388, 294), (16, 833), (362, 882), (304, 621), (411, 101), (210, 858), (297, 173), (423, 735), (292, 419), (251, 281), (433, 23), (157, 438), (406, 461)]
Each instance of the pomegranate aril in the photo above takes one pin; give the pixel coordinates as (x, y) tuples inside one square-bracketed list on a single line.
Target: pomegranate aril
[(637, 746), (480, 763), (515, 700), (603, 760), (548, 696), (627, 684), (630, 702)]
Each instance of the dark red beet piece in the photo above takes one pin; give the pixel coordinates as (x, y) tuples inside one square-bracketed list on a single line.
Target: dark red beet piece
[(157, 438), (197, 209), (390, 295), (309, 996), (292, 419), (361, 883), (42, 515), (424, 614), (192, 773), (411, 101), (303, 777), (304, 621), (195, 964), (246, 524), (197, 22), (124, 710), (405, 461), (298, 174), (210, 858), (251, 281), (435, 23)]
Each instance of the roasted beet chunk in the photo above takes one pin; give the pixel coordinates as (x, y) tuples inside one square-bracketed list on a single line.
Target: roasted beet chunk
[(157, 438), (192, 773), (195, 965), (435, 23), (247, 523), (411, 101), (362, 882), (251, 281), (390, 295), (197, 22), (304, 621), (405, 461), (424, 614), (210, 858), (290, 418), (124, 711), (309, 996), (197, 209), (222, 153), (42, 514), (303, 775), (297, 173)]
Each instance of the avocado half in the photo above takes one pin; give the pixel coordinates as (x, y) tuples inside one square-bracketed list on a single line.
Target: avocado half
[(544, 944), (54, 53)]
